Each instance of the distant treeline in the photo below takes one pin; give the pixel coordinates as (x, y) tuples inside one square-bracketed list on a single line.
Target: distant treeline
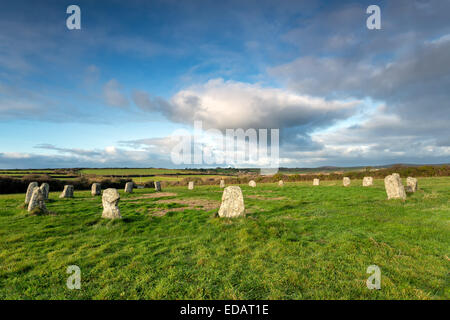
[(10, 184)]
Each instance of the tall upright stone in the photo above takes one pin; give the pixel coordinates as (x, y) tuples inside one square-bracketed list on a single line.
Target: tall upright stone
[(191, 185), (129, 187), (110, 201), (96, 189), (222, 183), (394, 187), (45, 187), (67, 192), (29, 193), (37, 201), (346, 181), (252, 183), (316, 182), (411, 184), (367, 181), (157, 185), (280, 183), (232, 203)]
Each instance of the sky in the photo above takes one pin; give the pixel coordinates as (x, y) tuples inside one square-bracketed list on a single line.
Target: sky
[(115, 92)]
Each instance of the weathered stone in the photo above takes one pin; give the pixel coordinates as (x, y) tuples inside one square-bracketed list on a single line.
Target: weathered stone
[(316, 182), (411, 184), (280, 183), (252, 183), (67, 192), (37, 201), (367, 181), (157, 185), (394, 187), (346, 181), (191, 185), (222, 183), (96, 189), (232, 203), (45, 187), (30, 189), (110, 201), (129, 187)]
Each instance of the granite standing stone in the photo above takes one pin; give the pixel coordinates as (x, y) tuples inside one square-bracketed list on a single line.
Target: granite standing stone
[(316, 182), (280, 183), (45, 187), (96, 189), (110, 201), (157, 185), (222, 183), (191, 185), (367, 181), (129, 187), (67, 192), (411, 184), (346, 181), (232, 203), (252, 183), (394, 187), (30, 190), (37, 201)]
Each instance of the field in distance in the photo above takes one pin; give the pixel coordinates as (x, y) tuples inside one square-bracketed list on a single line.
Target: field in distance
[(296, 242)]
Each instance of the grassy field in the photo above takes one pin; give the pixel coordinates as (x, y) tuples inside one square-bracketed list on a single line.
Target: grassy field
[(296, 242), (143, 171)]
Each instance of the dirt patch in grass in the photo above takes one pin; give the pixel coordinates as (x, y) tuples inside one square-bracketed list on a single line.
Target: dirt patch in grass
[(151, 195), (199, 204)]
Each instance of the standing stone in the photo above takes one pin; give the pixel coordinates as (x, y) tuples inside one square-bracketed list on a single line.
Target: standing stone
[(37, 201), (316, 182), (346, 181), (30, 189), (280, 183), (252, 183), (222, 183), (45, 189), (394, 187), (157, 185), (367, 181), (232, 203), (96, 189), (129, 187), (411, 184), (110, 201), (67, 192), (191, 185)]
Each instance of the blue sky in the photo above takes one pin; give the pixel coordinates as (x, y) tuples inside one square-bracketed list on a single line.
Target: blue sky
[(112, 93)]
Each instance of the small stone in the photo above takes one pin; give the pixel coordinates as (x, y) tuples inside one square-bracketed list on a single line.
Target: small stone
[(280, 183), (110, 201), (367, 181), (157, 185), (394, 187), (30, 189), (191, 185), (252, 183), (411, 184), (67, 192), (129, 187), (316, 182), (45, 187), (222, 183), (346, 181), (37, 201), (96, 189), (232, 203)]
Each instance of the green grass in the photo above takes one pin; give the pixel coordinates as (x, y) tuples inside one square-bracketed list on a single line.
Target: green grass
[(137, 171), (297, 242)]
